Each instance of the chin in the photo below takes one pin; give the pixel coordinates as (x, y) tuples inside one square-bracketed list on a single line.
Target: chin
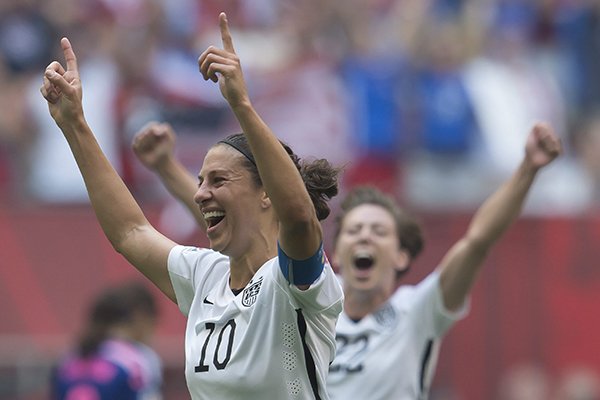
[(371, 284), (215, 246), (363, 285)]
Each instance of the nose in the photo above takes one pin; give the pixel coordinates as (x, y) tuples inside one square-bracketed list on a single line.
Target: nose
[(202, 194), (364, 235)]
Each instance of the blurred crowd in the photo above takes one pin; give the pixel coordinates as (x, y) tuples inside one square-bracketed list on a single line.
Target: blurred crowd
[(528, 381), (428, 99), (531, 381)]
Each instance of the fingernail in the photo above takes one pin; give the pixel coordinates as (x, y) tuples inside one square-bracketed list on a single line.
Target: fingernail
[(50, 73)]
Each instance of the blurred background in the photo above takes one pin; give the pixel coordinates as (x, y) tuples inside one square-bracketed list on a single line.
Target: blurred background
[(430, 100)]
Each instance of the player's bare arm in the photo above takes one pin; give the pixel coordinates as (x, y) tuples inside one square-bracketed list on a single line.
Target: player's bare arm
[(460, 265), (300, 231), (154, 146), (119, 215)]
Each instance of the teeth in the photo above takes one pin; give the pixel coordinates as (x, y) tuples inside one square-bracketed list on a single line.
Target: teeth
[(363, 254), (213, 214)]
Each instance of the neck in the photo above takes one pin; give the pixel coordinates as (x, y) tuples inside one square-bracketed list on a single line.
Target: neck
[(360, 303), (121, 332), (262, 248), (242, 269)]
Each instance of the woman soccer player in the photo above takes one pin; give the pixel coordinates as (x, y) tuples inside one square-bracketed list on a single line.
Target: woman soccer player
[(388, 336), (262, 303), (113, 359)]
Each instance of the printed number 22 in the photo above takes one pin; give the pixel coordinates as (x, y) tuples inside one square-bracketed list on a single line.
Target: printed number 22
[(202, 367), (350, 353)]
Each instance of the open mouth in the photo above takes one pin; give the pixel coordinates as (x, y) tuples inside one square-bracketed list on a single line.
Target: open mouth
[(212, 218), (363, 261)]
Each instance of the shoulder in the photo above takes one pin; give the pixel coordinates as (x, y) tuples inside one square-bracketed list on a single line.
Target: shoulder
[(183, 258), (196, 254), (96, 368), (407, 295)]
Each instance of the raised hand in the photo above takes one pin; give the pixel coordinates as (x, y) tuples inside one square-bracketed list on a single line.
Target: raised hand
[(543, 146), (223, 66), (62, 88), (154, 144)]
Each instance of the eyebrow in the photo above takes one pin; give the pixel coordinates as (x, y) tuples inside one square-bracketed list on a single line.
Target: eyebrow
[(224, 171), (373, 224)]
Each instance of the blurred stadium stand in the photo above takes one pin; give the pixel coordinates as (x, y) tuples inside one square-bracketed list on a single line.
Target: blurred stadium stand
[(432, 109)]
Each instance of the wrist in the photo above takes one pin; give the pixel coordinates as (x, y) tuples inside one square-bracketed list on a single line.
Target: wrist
[(241, 106), (528, 167), (164, 165), (74, 126)]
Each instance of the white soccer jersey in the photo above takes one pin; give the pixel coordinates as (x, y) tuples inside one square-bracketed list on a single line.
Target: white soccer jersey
[(271, 341), (392, 353)]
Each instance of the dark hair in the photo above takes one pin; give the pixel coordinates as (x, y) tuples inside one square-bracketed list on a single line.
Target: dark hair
[(319, 176), (113, 307), (410, 236)]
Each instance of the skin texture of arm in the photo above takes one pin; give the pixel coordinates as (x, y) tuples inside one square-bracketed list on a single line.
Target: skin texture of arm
[(461, 264), (154, 146), (300, 232), (119, 215)]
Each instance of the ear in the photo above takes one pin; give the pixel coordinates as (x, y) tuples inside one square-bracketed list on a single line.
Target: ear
[(265, 201), (401, 260)]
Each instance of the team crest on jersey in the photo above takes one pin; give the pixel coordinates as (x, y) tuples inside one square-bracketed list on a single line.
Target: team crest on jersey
[(386, 316), (251, 293)]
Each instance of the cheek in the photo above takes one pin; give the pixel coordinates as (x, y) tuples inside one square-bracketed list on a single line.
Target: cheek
[(340, 254), (336, 264), (390, 274), (386, 263)]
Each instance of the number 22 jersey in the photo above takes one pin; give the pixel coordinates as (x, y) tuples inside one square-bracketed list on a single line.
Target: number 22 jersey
[(270, 341), (392, 353)]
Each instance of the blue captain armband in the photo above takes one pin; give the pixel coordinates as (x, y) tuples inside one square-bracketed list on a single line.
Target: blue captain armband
[(303, 272)]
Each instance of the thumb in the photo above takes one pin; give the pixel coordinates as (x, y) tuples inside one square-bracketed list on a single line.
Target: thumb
[(58, 80)]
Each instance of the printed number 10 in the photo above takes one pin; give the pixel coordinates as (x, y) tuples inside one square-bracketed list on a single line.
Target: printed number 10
[(202, 367)]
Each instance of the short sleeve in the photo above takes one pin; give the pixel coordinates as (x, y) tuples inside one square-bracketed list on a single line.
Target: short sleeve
[(325, 293), (190, 269), (426, 306)]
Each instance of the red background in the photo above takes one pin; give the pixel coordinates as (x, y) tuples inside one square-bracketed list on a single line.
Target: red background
[(535, 301)]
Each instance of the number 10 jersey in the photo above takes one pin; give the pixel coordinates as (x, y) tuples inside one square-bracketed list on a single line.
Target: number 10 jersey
[(270, 341)]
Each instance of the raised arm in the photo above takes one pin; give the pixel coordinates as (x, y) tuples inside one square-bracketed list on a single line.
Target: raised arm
[(154, 146), (460, 265), (119, 215), (300, 231)]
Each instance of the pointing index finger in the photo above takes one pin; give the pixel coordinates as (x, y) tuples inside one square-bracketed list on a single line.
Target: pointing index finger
[(225, 34), (69, 54)]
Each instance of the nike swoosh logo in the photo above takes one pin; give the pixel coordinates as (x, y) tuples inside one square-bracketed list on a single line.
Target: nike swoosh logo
[(206, 301)]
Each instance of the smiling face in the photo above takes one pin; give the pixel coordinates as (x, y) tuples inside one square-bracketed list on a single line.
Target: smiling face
[(367, 250), (233, 205)]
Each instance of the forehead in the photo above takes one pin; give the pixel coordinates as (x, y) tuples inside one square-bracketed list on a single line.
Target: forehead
[(222, 158), (369, 214)]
